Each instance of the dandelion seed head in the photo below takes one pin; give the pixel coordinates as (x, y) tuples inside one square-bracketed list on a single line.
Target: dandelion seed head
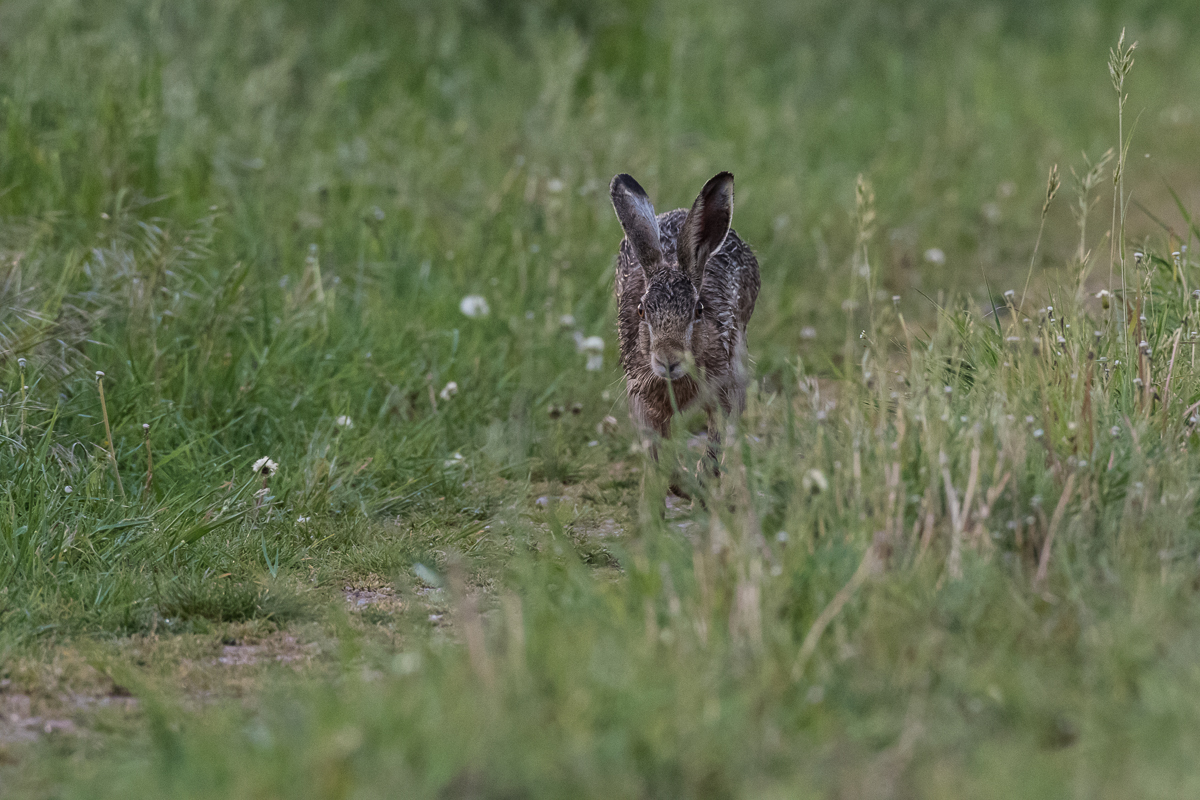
[(814, 482), (265, 467), (474, 306)]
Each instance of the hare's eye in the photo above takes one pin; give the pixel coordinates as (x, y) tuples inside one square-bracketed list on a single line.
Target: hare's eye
[(641, 312), (699, 308)]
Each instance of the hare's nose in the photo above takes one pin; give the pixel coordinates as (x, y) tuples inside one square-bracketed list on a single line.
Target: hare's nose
[(674, 368)]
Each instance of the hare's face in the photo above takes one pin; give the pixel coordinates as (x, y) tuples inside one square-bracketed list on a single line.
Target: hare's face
[(669, 310), (671, 305)]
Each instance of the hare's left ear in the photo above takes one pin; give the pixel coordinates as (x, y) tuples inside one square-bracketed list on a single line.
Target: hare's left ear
[(636, 214), (706, 225)]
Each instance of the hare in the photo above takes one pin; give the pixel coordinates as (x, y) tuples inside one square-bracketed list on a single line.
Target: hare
[(686, 287)]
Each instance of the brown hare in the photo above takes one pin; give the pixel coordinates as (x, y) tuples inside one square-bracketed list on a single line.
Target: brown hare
[(686, 286)]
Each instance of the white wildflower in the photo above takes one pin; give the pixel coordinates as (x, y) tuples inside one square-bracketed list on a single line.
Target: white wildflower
[(554, 185), (265, 467), (808, 332), (68, 489), (594, 347), (455, 460), (607, 425), (302, 519), (814, 482), (448, 391), (474, 306), (935, 255), (344, 422), (567, 321)]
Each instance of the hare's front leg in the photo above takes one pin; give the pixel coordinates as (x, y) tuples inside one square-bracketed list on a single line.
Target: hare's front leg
[(712, 452), (653, 426), (728, 408)]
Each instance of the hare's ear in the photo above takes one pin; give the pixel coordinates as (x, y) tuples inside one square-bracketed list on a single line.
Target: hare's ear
[(636, 214), (706, 225)]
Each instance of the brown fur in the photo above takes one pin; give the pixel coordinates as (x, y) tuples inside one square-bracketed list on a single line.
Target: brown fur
[(661, 263)]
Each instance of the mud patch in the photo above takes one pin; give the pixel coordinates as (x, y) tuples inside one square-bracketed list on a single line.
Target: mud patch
[(281, 649), (18, 723), (374, 593)]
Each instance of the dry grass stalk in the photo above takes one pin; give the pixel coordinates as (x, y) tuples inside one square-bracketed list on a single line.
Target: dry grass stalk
[(1052, 529), (1166, 399), (959, 515), (514, 622), (979, 533), (112, 453), (1052, 185), (467, 612), (149, 461), (869, 565), (929, 503)]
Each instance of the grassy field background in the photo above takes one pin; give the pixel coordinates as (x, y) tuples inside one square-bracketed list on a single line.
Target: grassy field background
[(956, 550)]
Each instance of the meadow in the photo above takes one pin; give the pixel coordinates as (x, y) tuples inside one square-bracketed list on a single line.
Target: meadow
[(314, 482)]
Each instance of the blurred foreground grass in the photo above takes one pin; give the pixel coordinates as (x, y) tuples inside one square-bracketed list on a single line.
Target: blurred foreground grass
[(955, 553)]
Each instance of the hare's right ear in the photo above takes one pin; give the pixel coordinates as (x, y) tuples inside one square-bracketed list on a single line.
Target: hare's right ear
[(636, 214), (706, 226)]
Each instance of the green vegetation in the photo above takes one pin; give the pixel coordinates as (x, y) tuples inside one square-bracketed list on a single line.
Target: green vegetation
[(955, 552)]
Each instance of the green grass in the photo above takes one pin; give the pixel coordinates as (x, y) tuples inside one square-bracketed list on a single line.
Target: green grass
[(258, 220)]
